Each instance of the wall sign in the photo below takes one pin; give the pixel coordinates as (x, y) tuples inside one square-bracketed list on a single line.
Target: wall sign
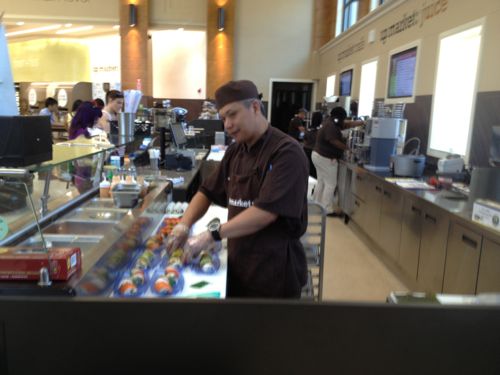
[(32, 98), (429, 10), (351, 50)]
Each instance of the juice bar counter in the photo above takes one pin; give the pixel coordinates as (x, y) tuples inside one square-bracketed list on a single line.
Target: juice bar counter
[(428, 234)]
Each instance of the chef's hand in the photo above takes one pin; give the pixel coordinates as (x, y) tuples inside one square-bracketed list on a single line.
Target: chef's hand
[(194, 245), (177, 237)]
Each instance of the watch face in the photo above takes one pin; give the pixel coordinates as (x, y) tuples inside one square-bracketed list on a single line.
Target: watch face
[(214, 225)]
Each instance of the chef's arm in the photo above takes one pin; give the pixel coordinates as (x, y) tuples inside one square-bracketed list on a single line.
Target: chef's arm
[(196, 209), (247, 222)]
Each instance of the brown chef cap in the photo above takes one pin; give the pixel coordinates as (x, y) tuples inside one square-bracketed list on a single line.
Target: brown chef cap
[(235, 91)]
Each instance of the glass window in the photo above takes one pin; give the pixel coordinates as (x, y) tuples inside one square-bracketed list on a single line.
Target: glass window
[(350, 13), (375, 3), (330, 85), (367, 88), (454, 92)]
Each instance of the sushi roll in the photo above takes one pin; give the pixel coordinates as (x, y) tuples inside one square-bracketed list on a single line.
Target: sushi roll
[(127, 287), (138, 277), (175, 262), (172, 271), (162, 286)]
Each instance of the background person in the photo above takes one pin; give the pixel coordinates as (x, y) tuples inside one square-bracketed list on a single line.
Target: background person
[(327, 151), (262, 180), (114, 105), (297, 125), (310, 140)]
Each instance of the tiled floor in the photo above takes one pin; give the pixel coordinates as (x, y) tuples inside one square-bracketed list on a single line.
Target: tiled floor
[(351, 271)]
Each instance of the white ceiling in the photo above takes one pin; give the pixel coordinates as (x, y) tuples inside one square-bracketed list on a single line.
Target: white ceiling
[(89, 31)]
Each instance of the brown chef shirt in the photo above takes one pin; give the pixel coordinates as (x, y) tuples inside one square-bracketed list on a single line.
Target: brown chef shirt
[(328, 133), (271, 175)]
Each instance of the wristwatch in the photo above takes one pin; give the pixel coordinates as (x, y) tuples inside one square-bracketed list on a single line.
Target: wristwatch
[(214, 228)]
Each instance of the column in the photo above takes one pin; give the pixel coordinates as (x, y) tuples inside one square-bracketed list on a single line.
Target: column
[(325, 12), (134, 47), (220, 45)]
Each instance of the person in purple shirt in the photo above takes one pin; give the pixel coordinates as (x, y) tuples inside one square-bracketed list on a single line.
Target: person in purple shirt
[(85, 117)]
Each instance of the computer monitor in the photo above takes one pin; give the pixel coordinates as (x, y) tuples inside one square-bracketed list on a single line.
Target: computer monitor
[(178, 135), (345, 83), (402, 74)]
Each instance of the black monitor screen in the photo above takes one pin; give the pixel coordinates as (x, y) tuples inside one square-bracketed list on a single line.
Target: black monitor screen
[(402, 74), (345, 83), (178, 135)]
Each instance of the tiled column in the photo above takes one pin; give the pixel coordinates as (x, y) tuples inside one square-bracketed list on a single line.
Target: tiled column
[(325, 12), (134, 47), (364, 8), (220, 45)]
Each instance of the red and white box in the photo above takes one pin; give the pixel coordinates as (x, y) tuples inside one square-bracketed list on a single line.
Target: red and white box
[(24, 263)]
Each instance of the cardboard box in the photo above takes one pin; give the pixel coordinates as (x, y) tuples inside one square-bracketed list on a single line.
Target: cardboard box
[(487, 213), (24, 263)]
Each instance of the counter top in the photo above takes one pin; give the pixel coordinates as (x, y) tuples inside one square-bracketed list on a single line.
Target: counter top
[(457, 204)]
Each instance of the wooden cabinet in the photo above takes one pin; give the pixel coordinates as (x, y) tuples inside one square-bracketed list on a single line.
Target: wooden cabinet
[(434, 236), (489, 267), (391, 212), (411, 231), (374, 203), (462, 260)]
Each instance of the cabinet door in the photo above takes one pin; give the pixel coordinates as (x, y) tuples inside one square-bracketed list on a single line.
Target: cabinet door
[(432, 249), (373, 202), (489, 268), (358, 213), (462, 260), (411, 230), (391, 213)]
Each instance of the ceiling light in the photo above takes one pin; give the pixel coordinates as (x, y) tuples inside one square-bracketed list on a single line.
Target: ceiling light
[(35, 30), (180, 29), (20, 23), (68, 25), (75, 30), (116, 27)]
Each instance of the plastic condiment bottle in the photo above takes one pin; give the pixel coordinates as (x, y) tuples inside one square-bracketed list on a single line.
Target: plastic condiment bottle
[(104, 189)]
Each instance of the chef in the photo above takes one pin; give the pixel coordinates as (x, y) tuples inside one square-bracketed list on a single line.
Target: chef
[(262, 180)]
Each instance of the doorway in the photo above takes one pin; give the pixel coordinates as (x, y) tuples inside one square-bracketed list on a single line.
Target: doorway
[(286, 97)]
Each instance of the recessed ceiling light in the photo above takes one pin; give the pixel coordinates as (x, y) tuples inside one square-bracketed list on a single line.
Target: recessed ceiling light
[(75, 30), (20, 23), (68, 25), (35, 30)]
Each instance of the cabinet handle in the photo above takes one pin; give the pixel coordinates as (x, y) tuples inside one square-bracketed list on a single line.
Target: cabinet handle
[(430, 218), (378, 188), (387, 194), (416, 210), (469, 241)]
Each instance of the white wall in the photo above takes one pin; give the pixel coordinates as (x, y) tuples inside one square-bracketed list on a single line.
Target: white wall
[(273, 39), (179, 64), (105, 59)]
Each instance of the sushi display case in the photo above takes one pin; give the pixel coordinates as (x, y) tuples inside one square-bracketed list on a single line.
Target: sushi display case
[(145, 269)]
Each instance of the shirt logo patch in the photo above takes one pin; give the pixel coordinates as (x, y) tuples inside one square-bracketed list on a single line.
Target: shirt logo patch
[(240, 203)]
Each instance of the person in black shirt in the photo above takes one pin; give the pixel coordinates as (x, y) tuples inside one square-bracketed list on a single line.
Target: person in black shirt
[(297, 126), (327, 151)]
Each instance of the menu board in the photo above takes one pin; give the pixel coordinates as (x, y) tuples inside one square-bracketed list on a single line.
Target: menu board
[(402, 74), (345, 83)]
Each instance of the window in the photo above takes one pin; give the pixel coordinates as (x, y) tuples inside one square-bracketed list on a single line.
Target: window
[(375, 3), (455, 91), (367, 88), (345, 83), (350, 13), (402, 74), (330, 85)]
